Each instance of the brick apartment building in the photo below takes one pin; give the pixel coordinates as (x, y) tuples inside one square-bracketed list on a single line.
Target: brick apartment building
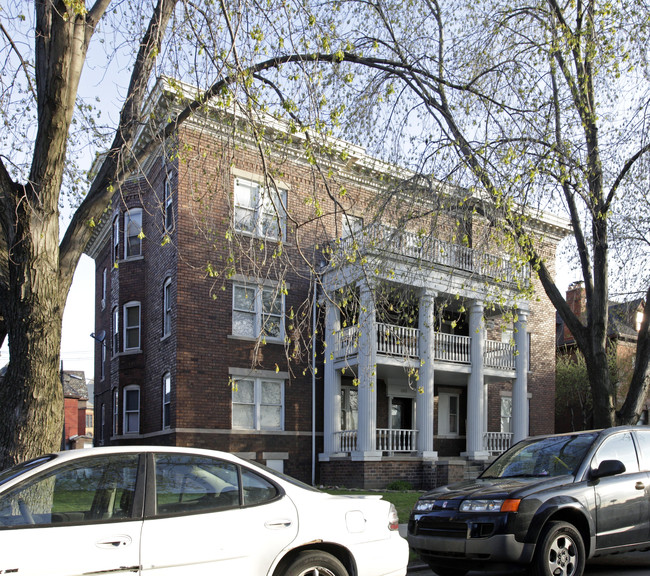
[(260, 304)]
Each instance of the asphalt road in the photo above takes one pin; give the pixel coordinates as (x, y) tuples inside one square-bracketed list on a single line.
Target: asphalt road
[(621, 565)]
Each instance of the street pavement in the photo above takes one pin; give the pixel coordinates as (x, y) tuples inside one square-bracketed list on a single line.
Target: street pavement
[(633, 564), (619, 565)]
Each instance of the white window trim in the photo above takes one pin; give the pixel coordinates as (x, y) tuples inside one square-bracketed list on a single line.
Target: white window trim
[(128, 305), (115, 256), (258, 312), (130, 215), (167, 308), (166, 379), (168, 205), (257, 401), (115, 331), (104, 287), (102, 368), (125, 423), (116, 412), (281, 194), (443, 416)]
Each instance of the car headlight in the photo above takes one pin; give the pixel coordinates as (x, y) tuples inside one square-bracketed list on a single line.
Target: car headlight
[(508, 505), (423, 506)]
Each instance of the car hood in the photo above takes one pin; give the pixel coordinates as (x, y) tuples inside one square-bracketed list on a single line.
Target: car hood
[(495, 488)]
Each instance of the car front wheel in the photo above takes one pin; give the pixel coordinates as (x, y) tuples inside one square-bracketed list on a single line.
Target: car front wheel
[(315, 563), (560, 551)]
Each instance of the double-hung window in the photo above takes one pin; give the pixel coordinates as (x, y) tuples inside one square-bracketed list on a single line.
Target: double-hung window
[(167, 307), (104, 287), (168, 205), (167, 399), (132, 410), (258, 311), (133, 233), (260, 211), (116, 240), (132, 326), (258, 404), (116, 331), (116, 411)]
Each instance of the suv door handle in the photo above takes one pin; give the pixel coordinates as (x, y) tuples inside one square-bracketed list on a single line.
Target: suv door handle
[(640, 486), (277, 524)]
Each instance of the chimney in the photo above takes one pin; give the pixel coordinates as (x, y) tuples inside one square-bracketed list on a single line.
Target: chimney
[(575, 298)]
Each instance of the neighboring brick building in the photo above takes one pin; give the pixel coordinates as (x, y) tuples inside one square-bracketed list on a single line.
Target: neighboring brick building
[(623, 323), (207, 266), (78, 411)]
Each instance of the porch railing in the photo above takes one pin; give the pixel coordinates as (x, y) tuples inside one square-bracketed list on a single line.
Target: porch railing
[(397, 340), (346, 441), (497, 442), (452, 348), (398, 440), (499, 355), (387, 440), (402, 341)]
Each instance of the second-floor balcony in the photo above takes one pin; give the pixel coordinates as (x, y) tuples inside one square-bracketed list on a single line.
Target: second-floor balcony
[(404, 342), (386, 241)]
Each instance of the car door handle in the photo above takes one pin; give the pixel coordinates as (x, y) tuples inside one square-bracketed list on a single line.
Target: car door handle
[(277, 524), (640, 486), (115, 543)]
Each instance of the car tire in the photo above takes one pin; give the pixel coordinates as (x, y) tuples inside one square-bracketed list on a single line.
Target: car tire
[(315, 563), (560, 551)]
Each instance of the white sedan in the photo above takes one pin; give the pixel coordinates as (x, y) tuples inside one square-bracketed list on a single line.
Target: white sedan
[(166, 511)]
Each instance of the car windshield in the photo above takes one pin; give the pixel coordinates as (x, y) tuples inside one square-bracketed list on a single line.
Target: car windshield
[(14, 471), (552, 456)]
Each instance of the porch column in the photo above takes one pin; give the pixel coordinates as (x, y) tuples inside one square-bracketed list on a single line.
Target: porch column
[(331, 384), (424, 398), (476, 407), (520, 388), (367, 375)]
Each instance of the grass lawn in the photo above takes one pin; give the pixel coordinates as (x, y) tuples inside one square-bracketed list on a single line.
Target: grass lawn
[(403, 501)]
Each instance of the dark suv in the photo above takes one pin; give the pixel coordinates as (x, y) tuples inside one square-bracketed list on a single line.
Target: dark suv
[(549, 502)]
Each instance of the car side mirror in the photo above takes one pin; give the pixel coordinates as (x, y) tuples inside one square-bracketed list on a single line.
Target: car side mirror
[(607, 468)]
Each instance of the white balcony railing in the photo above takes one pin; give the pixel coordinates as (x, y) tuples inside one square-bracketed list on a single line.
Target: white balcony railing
[(383, 239), (397, 340), (397, 440), (403, 341), (499, 355), (452, 348), (497, 442)]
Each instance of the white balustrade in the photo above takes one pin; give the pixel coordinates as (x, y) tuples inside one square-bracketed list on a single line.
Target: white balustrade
[(452, 348), (497, 442), (346, 441), (397, 340), (499, 355), (396, 440)]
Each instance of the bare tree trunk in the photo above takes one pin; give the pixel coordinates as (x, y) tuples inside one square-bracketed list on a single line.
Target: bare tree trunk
[(32, 395)]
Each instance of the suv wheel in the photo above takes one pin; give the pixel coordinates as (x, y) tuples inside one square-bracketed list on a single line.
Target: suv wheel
[(560, 551)]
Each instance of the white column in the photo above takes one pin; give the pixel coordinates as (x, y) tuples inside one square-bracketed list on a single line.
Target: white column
[(331, 384), (367, 375), (520, 388), (476, 406), (424, 399)]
